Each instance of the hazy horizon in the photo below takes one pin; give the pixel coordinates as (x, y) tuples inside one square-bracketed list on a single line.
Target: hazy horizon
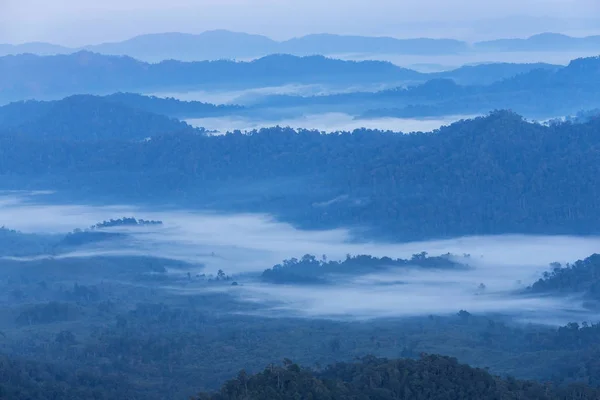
[(474, 38), (37, 21)]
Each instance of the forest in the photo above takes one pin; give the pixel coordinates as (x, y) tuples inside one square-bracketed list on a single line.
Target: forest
[(118, 327), (311, 270), (511, 175), (428, 378)]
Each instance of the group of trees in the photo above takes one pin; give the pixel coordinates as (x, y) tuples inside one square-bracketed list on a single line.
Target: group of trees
[(309, 269), (580, 277), (125, 221), (168, 346)]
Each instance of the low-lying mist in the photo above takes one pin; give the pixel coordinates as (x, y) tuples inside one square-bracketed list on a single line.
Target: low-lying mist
[(326, 122), (244, 245), (245, 96)]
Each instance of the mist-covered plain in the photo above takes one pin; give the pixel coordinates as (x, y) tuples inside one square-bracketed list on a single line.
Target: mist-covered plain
[(244, 245)]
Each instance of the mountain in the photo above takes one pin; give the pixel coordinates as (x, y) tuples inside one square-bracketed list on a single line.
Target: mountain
[(209, 45), (85, 117), (51, 77), (38, 48), (538, 93), (29, 76), (541, 42), (223, 44), (485, 74), (430, 377), (329, 44)]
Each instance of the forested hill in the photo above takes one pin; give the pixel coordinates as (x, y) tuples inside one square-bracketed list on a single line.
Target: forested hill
[(173, 107), (43, 77), (29, 76), (86, 117), (538, 93), (429, 378), (129, 106), (490, 175)]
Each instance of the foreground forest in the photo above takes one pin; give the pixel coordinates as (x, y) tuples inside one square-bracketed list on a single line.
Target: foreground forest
[(429, 378), (140, 327)]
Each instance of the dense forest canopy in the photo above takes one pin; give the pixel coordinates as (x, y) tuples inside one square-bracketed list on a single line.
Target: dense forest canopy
[(490, 175), (429, 378), (309, 269), (119, 327), (91, 118)]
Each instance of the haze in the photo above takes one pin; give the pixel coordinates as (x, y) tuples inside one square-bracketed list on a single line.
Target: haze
[(74, 23)]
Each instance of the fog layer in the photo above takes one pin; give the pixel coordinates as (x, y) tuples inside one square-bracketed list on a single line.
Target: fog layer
[(247, 243)]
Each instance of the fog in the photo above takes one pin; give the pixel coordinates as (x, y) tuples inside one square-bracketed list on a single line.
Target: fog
[(72, 22), (250, 96), (326, 122), (250, 243)]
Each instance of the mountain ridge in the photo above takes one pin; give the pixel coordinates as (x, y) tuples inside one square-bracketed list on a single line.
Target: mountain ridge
[(51, 77), (218, 44)]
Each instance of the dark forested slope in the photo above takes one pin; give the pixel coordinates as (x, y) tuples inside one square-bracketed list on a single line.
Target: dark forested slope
[(86, 117), (27, 380), (430, 378), (494, 174)]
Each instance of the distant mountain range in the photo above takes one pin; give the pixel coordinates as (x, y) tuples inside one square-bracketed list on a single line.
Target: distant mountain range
[(52, 77), (538, 93), (534, 90), (222, 44)]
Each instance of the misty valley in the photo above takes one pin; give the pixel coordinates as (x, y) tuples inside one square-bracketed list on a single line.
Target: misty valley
[(176, 303), (226, 216)]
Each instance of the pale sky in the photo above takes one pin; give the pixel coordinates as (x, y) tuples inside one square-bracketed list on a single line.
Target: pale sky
[(78, 22)]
